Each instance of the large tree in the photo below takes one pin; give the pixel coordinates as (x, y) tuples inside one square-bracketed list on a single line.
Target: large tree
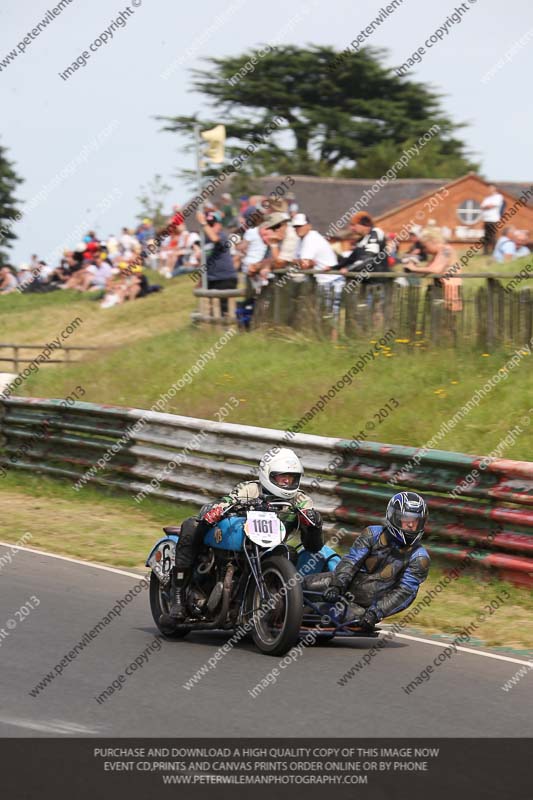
[(8, 211), (344, 115)]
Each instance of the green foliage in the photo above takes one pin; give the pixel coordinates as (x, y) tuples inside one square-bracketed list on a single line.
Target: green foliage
[(351, 118), (110, 527), (436, 159), (152, 201), (8, 203)]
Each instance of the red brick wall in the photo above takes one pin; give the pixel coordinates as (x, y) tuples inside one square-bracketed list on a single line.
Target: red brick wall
[(443, 209)]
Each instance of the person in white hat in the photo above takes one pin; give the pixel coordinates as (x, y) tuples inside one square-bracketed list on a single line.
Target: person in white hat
[(282, 238), (313, 251)]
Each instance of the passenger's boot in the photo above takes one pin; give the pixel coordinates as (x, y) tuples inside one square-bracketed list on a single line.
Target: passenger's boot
[(177, 611)]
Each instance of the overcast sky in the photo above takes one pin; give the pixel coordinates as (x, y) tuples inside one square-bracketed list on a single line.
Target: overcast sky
[(101, 120)]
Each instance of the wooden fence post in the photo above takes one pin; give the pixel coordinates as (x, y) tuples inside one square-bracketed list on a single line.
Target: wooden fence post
[(491, 296)]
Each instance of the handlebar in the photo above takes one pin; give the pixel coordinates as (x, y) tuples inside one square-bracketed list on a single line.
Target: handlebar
[(258, 504)]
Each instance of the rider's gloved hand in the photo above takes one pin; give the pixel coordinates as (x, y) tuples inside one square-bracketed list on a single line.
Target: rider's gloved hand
[(332, 593), (309, 516), (369, 620), (214, 514)]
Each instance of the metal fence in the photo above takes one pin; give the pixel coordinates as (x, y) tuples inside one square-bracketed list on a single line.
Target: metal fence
[(17, 358), (486, 314), (130, 449)]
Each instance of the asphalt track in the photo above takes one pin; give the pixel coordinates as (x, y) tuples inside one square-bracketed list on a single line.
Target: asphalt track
[(462, 698)]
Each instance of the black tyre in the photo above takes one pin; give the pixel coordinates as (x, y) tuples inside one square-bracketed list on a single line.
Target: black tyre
[(159, 605), (276, 630)]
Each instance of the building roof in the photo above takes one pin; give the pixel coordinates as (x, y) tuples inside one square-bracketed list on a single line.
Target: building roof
[(326, 200)]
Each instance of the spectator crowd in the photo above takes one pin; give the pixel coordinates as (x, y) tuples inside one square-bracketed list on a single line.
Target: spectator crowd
[(111, 267), (254, 238)]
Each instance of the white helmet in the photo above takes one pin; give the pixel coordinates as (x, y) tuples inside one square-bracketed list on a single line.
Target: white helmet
[(271, 467)]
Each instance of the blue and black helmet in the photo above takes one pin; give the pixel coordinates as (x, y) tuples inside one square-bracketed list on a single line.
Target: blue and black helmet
[(407, 513)]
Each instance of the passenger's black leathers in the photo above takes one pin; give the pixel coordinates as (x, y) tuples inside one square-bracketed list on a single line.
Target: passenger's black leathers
[(377, 573)]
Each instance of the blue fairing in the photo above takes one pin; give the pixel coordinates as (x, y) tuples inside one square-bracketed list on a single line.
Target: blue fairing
[(170, 538), (228, 534), (324, 561)]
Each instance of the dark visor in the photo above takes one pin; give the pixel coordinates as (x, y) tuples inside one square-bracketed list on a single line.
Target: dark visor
[(399, 518)]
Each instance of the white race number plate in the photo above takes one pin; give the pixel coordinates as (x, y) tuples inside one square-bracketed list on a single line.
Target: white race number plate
[(162, 561), (264, 528)]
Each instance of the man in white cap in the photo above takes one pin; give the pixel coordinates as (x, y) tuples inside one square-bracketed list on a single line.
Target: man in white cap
[(314, 251)]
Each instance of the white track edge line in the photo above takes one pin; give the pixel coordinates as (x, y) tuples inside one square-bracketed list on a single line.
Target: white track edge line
[(464, 649), (72, 560)]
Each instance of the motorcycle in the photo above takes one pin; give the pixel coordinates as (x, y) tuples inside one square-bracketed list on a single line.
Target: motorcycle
[(243, 578)]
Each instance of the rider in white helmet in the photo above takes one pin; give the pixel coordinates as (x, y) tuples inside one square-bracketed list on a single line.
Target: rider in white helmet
[(280, 473)]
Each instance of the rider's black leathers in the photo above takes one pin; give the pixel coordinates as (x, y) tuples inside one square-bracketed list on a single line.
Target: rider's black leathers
[(377, 573)]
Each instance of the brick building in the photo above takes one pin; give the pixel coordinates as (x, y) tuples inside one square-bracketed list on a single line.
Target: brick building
[(453, 204)]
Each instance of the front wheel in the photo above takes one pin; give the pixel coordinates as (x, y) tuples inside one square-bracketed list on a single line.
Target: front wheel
[(159, 605), (277, 617)]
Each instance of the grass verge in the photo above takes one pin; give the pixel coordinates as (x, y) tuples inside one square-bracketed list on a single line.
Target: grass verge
[(278, 379), (99, 526)]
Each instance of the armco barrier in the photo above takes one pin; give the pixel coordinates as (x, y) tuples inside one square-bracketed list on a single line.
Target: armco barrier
[(350, 482)]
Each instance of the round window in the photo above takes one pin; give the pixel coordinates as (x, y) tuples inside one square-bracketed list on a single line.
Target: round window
[(469, 212)]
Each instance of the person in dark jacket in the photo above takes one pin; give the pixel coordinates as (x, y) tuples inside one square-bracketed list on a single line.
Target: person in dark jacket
[(221, 273), (370, 253), (383, 570)]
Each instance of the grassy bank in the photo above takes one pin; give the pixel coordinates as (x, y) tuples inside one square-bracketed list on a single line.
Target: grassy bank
[(277, 380), (94, 525), (39, 318), (148, 345)]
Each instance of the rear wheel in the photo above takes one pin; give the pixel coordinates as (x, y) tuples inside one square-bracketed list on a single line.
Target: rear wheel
[(159, 605), (276, 625)]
